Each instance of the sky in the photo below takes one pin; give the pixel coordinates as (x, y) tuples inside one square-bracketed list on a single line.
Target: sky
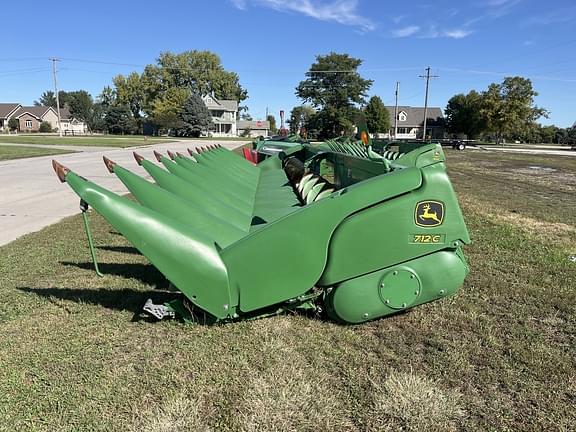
[(272, 43)]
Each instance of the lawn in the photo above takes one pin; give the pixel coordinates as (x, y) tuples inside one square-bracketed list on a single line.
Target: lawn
[(96, 140), (15, 152), (499, 355)]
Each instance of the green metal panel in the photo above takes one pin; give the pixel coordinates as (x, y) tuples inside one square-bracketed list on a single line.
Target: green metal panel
[(187, 258)]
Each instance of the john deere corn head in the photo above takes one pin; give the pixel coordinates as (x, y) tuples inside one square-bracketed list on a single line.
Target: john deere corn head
[(333, 228)]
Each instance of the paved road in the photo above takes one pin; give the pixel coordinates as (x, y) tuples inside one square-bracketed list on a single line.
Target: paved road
[(32, 197), (535, 151)]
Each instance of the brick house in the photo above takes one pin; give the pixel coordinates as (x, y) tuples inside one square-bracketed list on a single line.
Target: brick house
[(30, 118)]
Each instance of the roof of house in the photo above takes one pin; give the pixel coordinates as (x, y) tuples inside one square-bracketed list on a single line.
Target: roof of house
[(213, 102), (36, 111), (253, 124), (65, 114), (7, 108), (415, 115)]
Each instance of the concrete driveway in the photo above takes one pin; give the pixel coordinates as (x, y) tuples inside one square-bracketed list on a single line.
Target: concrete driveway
[(32, 197)]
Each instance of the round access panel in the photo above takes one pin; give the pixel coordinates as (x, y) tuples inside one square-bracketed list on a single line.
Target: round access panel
[(399, 288)]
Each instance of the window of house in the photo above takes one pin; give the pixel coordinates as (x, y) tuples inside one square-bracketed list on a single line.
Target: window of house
[(402, 116), (403, 130), (29, 124)]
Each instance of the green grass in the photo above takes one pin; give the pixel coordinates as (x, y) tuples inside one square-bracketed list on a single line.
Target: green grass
[(15, 152), (499, 355), (96, 140)]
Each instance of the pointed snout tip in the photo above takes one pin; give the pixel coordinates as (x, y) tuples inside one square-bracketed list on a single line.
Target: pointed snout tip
[(60, 170), (109, 164), (158, 156), (138, 158)]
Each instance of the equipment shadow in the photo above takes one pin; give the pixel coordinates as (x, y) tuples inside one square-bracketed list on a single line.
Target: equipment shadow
[(146, 273), (124, 299)]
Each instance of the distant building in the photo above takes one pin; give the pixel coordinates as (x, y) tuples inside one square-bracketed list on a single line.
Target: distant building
[(6, 111), (255, 128), (30, 117), (411, 122), (224, 114)]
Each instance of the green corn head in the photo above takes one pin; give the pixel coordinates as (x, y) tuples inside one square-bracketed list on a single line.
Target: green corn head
[(334, 227)]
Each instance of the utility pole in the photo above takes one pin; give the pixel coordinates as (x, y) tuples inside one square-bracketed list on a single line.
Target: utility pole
[(54, 60), (396, 110), (427, 76)]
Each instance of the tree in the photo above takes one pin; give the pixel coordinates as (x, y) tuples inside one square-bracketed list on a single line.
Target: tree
[(13, 124), (195, 117), (108, 97), (81, 106), (45, 127), (200, 71), (167, 107), (335, 88), (119, 120), (48, 98), (130, 91), (464, 116), (300, 118), (272, 120), (377, 116), (509, 107)]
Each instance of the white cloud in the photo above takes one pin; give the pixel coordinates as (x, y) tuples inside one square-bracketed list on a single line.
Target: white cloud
[(340, 11), (239, 4), (405, 31), (457, 33)]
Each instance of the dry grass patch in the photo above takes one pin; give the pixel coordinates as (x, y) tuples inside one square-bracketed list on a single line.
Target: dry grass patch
[(407, 401), (177, 414), (287, 393)]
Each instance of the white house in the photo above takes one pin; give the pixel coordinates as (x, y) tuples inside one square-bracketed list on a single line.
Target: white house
[(223, 115), (411, 122)]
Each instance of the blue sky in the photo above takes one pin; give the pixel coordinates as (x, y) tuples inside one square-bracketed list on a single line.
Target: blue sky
[(271, 43)]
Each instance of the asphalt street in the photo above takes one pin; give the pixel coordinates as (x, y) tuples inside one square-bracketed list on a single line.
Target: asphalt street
[(32, 197)]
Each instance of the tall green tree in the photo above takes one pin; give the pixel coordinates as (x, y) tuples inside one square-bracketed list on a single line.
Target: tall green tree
[(272, 120), (335, 88), (300, 118), (120, 120), (377, 116), (130, 91), (194, 117), (81, 106), (464, 114), (48, 98), (509, 107)]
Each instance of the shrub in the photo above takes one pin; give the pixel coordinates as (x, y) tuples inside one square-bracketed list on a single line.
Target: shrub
[(45, 127)]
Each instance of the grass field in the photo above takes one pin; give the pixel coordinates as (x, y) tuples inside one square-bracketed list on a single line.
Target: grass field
[(14, 152), (499, 355), (96, 140)]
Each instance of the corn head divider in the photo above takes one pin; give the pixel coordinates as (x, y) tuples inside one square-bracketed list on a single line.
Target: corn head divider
[(332, 227)]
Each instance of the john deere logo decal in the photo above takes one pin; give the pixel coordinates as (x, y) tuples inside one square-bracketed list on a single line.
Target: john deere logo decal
[(429, 213)]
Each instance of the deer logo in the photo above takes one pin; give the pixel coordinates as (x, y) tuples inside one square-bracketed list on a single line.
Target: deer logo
[(429, 213)]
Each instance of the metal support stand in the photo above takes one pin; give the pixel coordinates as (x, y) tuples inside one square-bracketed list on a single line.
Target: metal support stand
[(84, 208)]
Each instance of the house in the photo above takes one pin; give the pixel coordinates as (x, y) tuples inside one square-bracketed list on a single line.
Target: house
[(71, 124), (6, 111), (253, 128), (411, 122), (30, 117), (223, 115)]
